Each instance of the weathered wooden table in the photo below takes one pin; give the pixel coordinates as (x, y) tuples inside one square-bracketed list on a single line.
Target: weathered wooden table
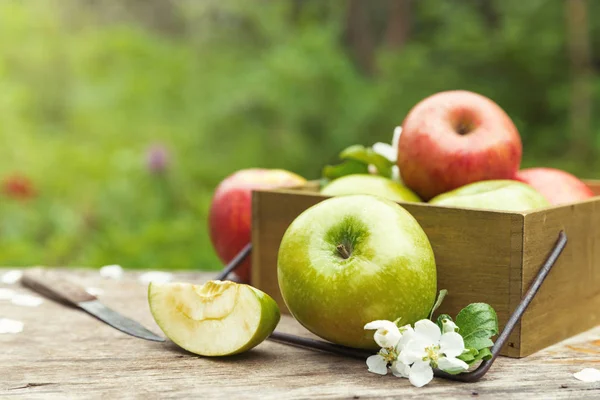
[(64, 353)]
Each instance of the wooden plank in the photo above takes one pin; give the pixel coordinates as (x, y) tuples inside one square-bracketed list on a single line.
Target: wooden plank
[(513, 345), (473, 250), (569, 301), (64, 353), (474, 258)]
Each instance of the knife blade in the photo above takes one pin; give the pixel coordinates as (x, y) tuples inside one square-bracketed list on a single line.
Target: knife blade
[(55, 287)]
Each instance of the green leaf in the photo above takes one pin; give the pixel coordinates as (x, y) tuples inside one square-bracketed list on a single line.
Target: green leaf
[(478, 323), (347, 167), (454, 371), (438, 302), (367, 156), (471, 356), (468, 355), (484, 354), (440, 320)]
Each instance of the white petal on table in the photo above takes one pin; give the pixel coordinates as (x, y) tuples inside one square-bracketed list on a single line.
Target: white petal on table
[(11, 277), (10, 326), (94, 291), (588, 375), (155, 276), (26, 300), (7, 294), (111, 271)]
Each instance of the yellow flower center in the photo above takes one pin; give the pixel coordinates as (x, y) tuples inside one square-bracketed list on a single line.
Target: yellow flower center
[(432, 354), (389, 354)]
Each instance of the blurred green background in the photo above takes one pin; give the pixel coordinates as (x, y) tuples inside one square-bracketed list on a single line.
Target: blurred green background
[(119, 118)]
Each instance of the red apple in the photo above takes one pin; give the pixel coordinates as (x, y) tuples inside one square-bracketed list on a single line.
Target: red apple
[(454, 138), (559, 187), (230, 214)]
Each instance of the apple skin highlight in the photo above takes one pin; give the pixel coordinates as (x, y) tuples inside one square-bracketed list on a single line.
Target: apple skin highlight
[(454, 138)]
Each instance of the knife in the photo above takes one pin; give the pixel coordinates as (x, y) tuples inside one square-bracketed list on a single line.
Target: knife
[(57, 288)]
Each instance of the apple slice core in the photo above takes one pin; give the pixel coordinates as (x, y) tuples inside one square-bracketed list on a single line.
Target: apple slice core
[(215, 319)]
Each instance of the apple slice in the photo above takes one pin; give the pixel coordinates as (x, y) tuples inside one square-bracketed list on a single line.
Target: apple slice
[(218, 318)]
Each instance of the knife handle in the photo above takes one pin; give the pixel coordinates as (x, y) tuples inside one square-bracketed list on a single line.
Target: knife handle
[(55, 286)]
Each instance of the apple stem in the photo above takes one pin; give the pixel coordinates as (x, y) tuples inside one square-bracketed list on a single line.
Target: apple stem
[(343, 251)]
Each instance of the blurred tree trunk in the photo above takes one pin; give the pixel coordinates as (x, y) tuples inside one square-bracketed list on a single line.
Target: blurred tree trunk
[(160, 15), (580, 113), (359, 36), (363, 35), (296, 10), (489, 13), (399, 23)]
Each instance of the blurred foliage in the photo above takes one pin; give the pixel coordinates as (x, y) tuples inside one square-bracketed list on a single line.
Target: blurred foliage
[(90, 88)]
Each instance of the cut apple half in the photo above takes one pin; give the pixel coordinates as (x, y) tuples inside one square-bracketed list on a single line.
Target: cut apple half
[(218, 318)]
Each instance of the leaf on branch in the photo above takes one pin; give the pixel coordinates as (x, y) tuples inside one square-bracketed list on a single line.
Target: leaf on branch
[(438, 302), (478, 323), (367, 156)]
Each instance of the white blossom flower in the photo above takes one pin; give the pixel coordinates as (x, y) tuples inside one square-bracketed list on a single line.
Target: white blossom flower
[(449, 326), (389, 151), (429, 349), (399, 369), (387, 333), (392, 340), (378, 363)]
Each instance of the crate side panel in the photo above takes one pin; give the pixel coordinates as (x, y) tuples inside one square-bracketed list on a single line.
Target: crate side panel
[(569, 300), (513, 345), (473, 250), (475, 259)]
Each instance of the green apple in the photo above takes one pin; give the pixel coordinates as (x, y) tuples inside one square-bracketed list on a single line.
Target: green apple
[(370, 184), (502, 195), (353, 259), (218, 318)]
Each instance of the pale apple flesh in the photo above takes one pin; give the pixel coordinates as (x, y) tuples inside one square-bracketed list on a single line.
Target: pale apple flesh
[(350, 260), (500, 195), (370, 184), (218, 318)]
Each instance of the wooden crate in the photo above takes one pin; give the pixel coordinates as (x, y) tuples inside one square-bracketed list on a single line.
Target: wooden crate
[(481, 256)]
